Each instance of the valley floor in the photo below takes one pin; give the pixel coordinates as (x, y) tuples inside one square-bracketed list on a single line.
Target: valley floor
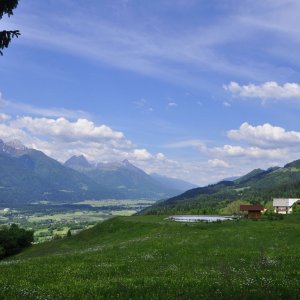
[(50, 221), (148, 257)]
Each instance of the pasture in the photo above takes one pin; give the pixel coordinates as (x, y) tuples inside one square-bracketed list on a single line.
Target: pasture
[(148, 257)]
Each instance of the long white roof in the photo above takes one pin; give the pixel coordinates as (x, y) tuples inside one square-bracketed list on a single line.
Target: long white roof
[(284, 201)]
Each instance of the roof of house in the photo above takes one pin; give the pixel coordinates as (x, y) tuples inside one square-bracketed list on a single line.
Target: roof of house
[(284, 201), (254, 207)]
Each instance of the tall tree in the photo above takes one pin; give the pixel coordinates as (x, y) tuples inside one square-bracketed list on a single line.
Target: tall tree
[(7, 7)]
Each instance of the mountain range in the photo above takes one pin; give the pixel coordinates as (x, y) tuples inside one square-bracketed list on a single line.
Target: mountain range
[(28, 175), (258, 186), (127, 178)]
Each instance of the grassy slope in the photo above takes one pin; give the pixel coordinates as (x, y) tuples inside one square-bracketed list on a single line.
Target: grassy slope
[(146, 257)]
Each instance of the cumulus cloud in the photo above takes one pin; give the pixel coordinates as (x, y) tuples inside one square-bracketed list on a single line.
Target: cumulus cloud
[(215, 163), (265, 135), (172, 104), (8, 132), (81, 129), (259, 146), (265, 91), (248, 147), (4, 117), (252, 152), (61, 138), (160, 156), (142, 154)]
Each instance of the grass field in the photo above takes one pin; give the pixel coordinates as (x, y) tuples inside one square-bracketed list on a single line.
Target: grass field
[(147, 257)]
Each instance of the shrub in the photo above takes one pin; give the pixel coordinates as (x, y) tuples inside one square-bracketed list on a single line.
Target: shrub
[(274, 216)]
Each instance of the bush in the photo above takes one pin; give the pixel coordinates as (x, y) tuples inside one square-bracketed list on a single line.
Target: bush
[(274, 216), (296, 208)]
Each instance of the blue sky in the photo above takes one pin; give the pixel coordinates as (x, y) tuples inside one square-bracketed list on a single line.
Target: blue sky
[(198, 90)]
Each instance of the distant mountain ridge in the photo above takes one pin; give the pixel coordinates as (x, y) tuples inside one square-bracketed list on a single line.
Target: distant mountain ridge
[(174, 182)]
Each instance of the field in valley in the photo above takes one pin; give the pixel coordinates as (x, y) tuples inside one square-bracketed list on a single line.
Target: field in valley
[(148, 257), (54, 221)]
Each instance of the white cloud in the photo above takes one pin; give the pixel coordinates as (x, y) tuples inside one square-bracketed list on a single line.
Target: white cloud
[(8, 132), (17, 107), (172, 104), (61, 138), (226, 104), (265, 91), (218, 163), (267, 146), (62, 128), (250, 152), (143, 105), (265, 135), (187, 144), (4, 117), (160, 156), (142, 154)]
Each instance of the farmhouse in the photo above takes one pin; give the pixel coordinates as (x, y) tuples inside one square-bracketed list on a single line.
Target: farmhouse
[(284, 205), (254, 211)]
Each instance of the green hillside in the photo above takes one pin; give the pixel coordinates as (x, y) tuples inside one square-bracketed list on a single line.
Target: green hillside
[(147, 257), (257, 186)]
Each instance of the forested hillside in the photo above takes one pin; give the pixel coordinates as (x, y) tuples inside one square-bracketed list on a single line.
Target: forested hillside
[(258, 186)]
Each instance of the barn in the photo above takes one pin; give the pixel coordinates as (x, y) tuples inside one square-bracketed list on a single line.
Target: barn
[(254, 211)]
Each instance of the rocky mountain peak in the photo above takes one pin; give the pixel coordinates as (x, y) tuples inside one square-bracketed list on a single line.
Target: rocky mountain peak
[(13, 147), (126, 162), (16, 144), (78, 161)]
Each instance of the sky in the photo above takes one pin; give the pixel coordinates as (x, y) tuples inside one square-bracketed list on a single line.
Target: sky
[(197, 90)]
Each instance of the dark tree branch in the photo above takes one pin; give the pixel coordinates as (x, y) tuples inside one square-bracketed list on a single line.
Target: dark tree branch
[(5, 38), (7, 7)]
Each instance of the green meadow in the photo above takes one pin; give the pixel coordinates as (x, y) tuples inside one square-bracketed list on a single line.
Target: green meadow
[(148, 257)]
